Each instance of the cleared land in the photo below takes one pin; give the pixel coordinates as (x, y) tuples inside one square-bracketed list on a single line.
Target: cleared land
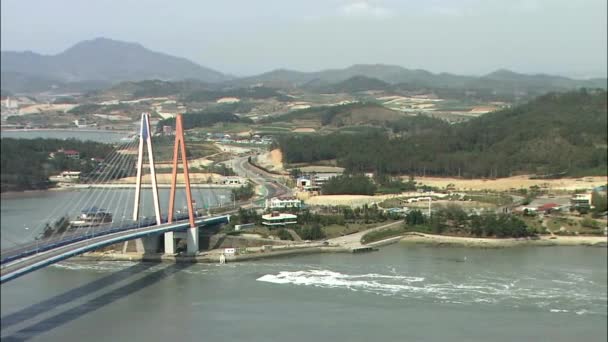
[(516, 182)]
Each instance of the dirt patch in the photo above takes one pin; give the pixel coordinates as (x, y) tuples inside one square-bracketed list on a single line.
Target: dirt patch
[(272, 160), (304, 130), (517, 182), (321, 168)]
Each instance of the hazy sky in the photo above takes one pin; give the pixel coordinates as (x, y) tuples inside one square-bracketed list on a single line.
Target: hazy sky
[(565, 37)]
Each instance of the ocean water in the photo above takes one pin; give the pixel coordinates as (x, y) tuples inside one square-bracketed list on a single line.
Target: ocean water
[(401, 293)]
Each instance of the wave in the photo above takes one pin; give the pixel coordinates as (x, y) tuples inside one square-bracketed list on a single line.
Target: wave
[(481, 290)]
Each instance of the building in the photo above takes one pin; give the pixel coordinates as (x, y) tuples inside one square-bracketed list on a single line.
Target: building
[(283, 203), (581, 201), (72, 154), (547, 208), (303, 182), (279, 219), (321, 178), (66, 176)]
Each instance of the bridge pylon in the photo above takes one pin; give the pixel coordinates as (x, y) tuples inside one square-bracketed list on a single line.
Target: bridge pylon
[(192, 232), (146, 138)]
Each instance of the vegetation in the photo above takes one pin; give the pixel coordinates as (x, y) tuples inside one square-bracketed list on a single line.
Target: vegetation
[(382, 234), (452, 219), (283, 234), (203, 119), (243, 193), (349, 184), (599, 203), (555, 133), (312, 232), (26, 164)]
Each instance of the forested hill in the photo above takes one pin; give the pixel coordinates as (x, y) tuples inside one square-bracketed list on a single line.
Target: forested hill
[(558, 133)]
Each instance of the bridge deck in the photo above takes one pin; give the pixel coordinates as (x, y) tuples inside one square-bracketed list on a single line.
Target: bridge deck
[(31, 263)]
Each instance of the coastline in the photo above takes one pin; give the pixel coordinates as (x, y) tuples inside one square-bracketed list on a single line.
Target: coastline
[(63, 130), (430, 240), (543, 240)]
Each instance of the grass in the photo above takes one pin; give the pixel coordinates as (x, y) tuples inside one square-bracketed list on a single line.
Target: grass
[(496, 199), (335, 230), (383, 234)]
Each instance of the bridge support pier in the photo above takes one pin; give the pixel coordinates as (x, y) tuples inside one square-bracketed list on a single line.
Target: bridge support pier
[(192, 237), (170, 243)]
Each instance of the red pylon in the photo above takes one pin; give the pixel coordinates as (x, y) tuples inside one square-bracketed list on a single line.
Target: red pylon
[(179, 138)]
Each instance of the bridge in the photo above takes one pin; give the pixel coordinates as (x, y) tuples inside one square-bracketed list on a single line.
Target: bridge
[(30, 256)]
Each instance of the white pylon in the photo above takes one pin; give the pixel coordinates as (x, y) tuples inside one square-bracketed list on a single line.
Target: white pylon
[(147, 137)]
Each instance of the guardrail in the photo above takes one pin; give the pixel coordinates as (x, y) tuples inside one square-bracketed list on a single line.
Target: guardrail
[(34, 249)]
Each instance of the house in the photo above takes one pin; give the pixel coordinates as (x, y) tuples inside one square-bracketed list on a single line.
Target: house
[(283, 202), (548, 208), (72, 154), (581, 201), (279, 219), (303, 182)]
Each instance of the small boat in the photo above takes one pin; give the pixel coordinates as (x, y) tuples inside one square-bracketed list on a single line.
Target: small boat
[(92, 217)]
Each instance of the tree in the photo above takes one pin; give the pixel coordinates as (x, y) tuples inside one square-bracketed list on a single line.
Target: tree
[(284, 235), (414, 218)]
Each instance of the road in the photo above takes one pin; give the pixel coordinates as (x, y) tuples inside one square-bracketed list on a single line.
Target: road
[(270, 183), (25, 265)]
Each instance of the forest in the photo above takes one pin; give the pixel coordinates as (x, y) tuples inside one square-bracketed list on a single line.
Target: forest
[(25, 163), (557, 133)]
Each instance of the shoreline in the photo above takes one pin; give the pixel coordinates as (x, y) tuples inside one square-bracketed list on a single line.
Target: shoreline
[(543, 240), (63, 130), (120, 186), (430, 240)]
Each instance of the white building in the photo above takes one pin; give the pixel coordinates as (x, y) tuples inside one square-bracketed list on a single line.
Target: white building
[(303, 182), (66, 176), (282, 203), (279, 219)]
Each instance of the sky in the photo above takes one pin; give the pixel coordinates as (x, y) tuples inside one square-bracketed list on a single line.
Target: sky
[(472, 37)]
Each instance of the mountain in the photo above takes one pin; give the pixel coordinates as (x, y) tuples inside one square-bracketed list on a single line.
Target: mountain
[(352, 85), (557, 133), (105, 60), (500, 80)]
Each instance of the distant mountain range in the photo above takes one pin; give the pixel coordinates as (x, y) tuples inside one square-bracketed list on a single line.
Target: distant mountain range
[(102, 62), (373, 74)]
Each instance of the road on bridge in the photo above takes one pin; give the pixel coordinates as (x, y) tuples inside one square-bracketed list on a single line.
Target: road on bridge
[(55, 255)]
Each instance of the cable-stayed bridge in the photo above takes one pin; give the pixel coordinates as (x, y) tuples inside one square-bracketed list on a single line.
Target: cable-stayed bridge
[(97, 228)]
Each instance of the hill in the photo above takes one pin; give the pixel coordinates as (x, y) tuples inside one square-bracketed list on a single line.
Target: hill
[(354, 84), (341, 115), (558, 133), (103, 59)]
